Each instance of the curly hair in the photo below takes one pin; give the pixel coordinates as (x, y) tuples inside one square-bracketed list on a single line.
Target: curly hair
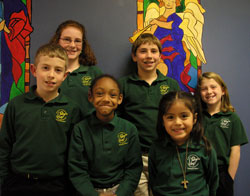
[(87, 56)]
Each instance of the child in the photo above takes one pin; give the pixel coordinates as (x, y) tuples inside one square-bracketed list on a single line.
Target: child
[(223, 127), (35, 130), (71, 35), (142, 92), (104, 154), (181, 161)]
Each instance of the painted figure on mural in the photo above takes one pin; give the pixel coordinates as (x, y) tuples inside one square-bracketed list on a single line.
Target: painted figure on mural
[(15, 27), (178, 25)]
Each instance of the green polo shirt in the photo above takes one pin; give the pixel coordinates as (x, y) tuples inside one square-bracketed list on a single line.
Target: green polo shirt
[(224, 130), (165, 173), (34, 135), (105, 153), (76, 86), (141, 101)]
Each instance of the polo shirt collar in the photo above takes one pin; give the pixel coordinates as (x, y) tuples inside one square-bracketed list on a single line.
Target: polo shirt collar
[(191, 145), (81, 69), (31, 95), (219, 114), (160, 77), (94, 121)]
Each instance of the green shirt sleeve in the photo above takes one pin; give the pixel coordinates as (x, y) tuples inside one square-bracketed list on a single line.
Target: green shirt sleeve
[(98, 71), (174, 85), (238, 136), (213, 174), (78, 165), (7, 137)]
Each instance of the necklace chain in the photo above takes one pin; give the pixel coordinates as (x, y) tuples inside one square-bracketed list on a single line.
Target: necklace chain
[(184, 182)]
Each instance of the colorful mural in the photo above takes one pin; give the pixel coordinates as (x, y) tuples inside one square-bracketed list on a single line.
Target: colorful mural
[(178, 24), (15, 30)]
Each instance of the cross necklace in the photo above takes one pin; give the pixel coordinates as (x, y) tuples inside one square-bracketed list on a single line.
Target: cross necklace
[(184, 181)]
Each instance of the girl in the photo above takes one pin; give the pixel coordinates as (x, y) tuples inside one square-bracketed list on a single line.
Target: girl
[(181, 161), (104, 154), (71, 35), (223, 127)]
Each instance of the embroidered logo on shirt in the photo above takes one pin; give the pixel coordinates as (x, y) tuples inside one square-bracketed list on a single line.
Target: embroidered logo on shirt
[(61, 115), (122, 138), (224, 123), (86, 80), (193, 161), (164, 89)]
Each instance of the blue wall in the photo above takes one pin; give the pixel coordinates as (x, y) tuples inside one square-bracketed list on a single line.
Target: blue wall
[(227, 48), (226, 42)]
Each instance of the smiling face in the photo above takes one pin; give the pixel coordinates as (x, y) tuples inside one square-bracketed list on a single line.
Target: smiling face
[(49, 73), (178, 122), (105, 96), (211, 93), (71, 41), (147, 57)]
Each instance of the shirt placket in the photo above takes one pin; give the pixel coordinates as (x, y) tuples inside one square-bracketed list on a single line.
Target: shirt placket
[(71, 79), (107, 141), (44, 112)]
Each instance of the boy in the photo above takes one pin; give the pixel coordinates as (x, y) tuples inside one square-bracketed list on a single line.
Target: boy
[(35, 131), (142, 92)]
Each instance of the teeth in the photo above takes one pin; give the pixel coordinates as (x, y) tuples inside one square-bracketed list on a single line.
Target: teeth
[(209, 97), (71, 51), (177, 130)]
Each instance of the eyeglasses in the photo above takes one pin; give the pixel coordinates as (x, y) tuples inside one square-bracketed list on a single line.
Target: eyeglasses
[(66, 40)]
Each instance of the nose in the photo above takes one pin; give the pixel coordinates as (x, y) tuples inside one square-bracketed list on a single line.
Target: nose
[(106, 98), (209, 90), (72, 43), (177, 121), (51, 73), (149, 54)]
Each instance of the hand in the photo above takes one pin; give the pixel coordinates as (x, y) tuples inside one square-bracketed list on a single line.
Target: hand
[(154, 22)]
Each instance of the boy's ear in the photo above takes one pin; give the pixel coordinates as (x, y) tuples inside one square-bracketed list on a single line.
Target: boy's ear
[(90, 98), (65, 75), (33, 69), (134, 57), (120, 98)]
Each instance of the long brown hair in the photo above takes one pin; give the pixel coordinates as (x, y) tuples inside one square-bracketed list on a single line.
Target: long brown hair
[(87, 56), (225, 100), (191, 102)]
